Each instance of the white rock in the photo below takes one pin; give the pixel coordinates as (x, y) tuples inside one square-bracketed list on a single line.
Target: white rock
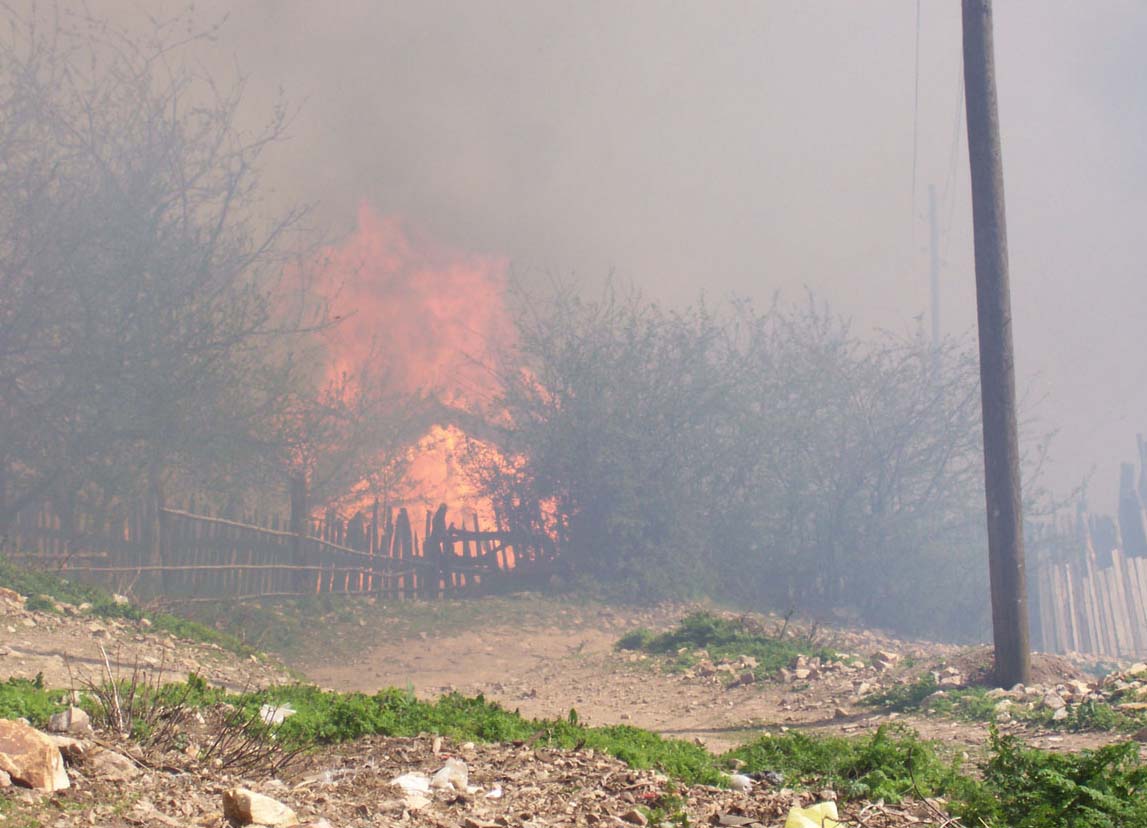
[(107, 764), (73, 720), (1053, 701), (247, 807)]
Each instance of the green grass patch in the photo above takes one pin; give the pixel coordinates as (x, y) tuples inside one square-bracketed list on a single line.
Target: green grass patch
[(722, 639), (887, 764), (1027, 788), (325, 717), (29, 699)]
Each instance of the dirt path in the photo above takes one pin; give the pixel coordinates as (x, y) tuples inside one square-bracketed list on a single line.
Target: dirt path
[(546, 666)]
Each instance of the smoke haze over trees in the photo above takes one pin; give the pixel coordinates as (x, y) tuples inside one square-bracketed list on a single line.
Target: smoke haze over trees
[(772, 456), (158, 329), (147, 332)]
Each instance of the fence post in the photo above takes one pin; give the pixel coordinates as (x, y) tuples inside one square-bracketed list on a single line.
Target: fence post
[(298, 528), (153, 530)]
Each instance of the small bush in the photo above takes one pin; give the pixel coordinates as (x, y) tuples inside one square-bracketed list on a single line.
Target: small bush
[(885, 765), (1027, 788), (40, 603), (635, 640), (902, 697), (722, 638), (28, 699)]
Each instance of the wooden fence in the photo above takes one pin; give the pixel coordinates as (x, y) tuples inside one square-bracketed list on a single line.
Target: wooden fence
[(1089, 582), (182, 555)]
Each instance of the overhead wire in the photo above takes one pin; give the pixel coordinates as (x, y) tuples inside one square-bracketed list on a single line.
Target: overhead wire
[(948, 195)]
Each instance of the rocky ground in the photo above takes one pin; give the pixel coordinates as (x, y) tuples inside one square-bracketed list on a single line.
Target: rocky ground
[(540, 657), (545, 663), (67, 647)]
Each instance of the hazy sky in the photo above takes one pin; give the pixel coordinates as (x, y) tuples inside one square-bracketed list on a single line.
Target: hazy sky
[(747, 147)]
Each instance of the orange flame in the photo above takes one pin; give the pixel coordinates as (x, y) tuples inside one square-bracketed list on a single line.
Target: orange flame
[(429, 320)]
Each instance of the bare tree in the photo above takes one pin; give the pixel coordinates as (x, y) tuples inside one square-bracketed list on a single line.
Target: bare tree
[(138, 334)]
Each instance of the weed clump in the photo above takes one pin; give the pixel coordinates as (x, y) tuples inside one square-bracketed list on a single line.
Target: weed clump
[(1027, 788), (723, 638), (890, 764), (28, 699)]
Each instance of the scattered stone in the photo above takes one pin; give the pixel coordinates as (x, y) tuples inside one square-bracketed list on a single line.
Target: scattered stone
[(73, 750), (454, 774), (885, 659), (1059, 715), (635, 817), (73, 720), (107, 764), (5, 780), (247, 807), (472, 822), (1079, 688), (1053, 701), (735, 820), (745, 678), (30, 757)]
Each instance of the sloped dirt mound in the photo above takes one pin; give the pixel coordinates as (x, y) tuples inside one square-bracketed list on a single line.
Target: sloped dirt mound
[(977, 667), (67, 646)]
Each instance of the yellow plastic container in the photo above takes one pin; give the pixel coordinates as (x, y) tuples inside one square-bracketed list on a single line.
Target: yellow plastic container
[(820, 815)]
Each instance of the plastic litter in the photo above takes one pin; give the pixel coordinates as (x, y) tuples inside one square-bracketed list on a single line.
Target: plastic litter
[(453, 774), (740, 782), (820, 815), (494, 792), (276, 714), (412, 782)]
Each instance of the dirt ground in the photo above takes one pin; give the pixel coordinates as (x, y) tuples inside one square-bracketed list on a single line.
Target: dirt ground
[(543, 661), (540, 656)]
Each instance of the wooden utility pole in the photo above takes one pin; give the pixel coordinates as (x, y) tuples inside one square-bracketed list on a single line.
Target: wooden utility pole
[(997, 360)]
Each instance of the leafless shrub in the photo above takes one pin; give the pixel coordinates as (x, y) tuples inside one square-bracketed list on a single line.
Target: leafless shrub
[(244, 745)]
